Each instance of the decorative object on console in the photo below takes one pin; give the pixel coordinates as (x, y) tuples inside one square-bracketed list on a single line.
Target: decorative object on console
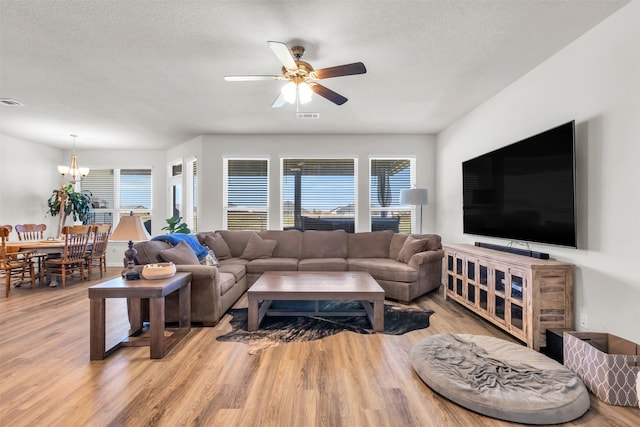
[(161, 270), (415, 197), (132, 229), (73, 172)]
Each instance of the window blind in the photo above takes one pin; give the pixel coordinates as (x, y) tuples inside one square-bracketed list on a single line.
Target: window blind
[(387, 178), (318, 193), (246, 194), (135, 189)]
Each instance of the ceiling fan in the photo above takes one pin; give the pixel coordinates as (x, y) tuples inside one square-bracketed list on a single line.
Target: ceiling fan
[(301, 77)]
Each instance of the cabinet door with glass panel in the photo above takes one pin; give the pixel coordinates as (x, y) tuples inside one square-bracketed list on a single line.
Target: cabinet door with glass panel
[(455, 275), (517, 306), (507, 300)]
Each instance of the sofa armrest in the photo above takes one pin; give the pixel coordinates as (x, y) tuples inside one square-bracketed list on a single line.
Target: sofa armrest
[(200, 271), (425, 257)]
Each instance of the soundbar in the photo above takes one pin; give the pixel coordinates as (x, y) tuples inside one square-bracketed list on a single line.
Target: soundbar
[(518, 251)]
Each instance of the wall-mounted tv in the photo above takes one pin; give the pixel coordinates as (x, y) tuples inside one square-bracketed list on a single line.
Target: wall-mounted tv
[(524, 191)]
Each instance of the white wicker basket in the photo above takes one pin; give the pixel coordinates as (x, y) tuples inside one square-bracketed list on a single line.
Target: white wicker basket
[(161, 270)]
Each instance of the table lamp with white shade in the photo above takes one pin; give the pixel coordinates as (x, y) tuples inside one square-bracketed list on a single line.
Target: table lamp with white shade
[(132, 229), (414, 197)]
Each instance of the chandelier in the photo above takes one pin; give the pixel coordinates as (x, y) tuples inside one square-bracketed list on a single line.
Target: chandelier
[(73, 172)]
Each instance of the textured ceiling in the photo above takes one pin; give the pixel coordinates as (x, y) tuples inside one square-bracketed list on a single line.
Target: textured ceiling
[(149, 74)]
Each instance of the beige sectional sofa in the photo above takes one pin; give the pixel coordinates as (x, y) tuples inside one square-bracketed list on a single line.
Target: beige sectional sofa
[(405, 266)]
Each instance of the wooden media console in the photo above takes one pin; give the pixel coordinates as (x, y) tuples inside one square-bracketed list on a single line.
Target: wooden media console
[(521, 295)]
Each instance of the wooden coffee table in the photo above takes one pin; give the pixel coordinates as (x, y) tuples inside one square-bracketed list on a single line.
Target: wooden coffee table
[(316, 286), (135, 291)]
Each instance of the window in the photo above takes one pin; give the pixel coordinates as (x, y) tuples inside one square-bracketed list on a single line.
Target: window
[(118, 192), (318, 194), (388, 177), (246, 194), (191, 216)]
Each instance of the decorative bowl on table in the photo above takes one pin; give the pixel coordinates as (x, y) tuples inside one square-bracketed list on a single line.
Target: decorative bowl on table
[(161, 270)]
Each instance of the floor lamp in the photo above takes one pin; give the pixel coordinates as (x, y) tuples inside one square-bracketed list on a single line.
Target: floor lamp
[(415, 197)]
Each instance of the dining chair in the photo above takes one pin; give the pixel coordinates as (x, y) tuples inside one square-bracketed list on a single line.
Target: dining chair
[(75, 244), (97, 254), (34, 232), (13, 264)]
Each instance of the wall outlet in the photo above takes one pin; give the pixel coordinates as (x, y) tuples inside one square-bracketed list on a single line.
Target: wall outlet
[(584, 321)]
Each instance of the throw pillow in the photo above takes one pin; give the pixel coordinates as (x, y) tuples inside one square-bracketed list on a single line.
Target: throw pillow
[(216, 243), (210, 259), (258, 247), (411, 247), (180, 254)]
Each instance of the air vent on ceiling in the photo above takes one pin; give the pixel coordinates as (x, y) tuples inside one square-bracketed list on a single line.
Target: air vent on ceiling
[(307, 115), (8, 102)]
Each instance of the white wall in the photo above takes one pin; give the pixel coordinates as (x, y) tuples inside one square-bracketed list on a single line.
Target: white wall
[(595, 81), (28, 176), (362, 147)]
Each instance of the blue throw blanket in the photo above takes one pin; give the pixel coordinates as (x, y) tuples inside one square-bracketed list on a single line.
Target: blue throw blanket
[(192, 241)]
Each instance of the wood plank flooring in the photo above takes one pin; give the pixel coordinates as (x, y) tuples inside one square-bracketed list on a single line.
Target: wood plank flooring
[(345, 380)]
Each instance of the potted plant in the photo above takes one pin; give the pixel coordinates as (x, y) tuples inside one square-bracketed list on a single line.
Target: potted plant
[(66, 201), (175, 225)]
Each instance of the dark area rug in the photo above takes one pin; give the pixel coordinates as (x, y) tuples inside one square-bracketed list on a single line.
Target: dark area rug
[(276, 330)]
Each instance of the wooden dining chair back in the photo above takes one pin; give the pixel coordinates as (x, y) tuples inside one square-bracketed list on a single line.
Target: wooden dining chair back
[(29, 232), (8, 227), (34, 232), (97, 255), (13, 264), (75, 245)]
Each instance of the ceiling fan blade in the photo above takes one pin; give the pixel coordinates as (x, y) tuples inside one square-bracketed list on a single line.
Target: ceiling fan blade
[(341, 70), (279, 102), (332, 96), (250, 78), (284, 55)]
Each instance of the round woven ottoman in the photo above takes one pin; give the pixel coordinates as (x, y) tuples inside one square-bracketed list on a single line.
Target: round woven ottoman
[(500, 379)]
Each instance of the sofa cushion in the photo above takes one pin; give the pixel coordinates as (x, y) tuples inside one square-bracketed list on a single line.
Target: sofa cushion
[(259, 266), (324, 244), (289, 242), (384, 269), (434, 241), (238, 270), (236, 240), (227, 280), (180, 254), (216, 243), (258, 248), (397, 240), (323, 264), (373, 244), (149, 252), (411, 247)]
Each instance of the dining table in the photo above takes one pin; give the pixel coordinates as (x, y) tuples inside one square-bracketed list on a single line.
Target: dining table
[(48, 246)]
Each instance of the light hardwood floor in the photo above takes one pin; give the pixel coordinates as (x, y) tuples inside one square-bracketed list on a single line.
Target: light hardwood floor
[(345, 380)]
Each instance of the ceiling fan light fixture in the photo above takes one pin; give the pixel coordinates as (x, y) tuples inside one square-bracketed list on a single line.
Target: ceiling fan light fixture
[(289, 92), (300, 92), (304, 93)]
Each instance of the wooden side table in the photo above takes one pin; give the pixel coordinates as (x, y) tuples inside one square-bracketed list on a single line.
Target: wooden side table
[(135, 291)]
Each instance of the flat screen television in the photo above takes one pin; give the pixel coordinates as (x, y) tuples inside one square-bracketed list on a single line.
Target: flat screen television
[(524, 191)]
